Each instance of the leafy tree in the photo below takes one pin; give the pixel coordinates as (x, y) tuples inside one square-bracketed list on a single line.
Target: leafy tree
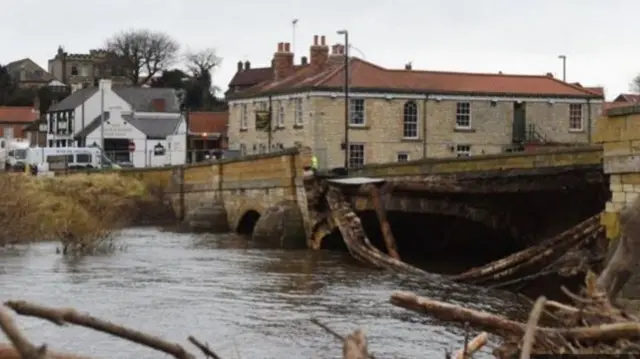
[(7, 86), (143, 53)]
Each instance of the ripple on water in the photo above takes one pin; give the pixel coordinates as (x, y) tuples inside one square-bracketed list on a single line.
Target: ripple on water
[(250, 301)]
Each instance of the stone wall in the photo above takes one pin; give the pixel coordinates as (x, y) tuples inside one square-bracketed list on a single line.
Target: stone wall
[(588, 155), (619, 134)]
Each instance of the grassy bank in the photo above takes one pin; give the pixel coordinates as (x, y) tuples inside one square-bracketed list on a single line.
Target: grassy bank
[(80, 210)]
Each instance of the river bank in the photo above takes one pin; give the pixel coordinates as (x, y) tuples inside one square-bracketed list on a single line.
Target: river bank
[(79, 210), (223, 291)]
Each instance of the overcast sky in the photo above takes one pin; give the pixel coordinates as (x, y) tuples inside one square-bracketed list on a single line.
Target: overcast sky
[(599, 38)]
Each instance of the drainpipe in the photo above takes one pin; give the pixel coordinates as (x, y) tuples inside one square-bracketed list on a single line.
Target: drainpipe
[(589, 120), (424, 126)]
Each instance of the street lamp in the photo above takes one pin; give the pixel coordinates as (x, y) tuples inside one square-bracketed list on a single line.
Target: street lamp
[(345, 33), (564, 67)]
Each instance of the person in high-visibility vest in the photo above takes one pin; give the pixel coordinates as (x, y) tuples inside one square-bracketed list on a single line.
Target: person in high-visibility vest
[(314, 164)]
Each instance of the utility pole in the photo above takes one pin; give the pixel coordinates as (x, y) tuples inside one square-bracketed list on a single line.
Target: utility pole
[(346, 98), (294, 23), (102, 123), (564, 67)]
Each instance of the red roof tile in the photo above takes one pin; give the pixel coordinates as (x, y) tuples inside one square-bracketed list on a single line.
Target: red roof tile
[(22, 114), (368, 76), (208, 122), (628, 98)]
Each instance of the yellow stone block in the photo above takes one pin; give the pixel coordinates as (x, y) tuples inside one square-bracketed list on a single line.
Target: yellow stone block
[(616, 148), (610, 220), (632, 131), (615, 179), (630, 178)]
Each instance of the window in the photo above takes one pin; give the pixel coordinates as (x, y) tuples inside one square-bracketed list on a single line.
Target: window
[(83, 158), (84, 71), (298, 118), (263, 148), (50, 143), (575, 117), (402, 157), (243, 149), (74, 70), (8, 131), (356, 109), (244, 117), (356, 155), (463, 150), (410, 120), (261, 106), (281, 113), (463, 115)]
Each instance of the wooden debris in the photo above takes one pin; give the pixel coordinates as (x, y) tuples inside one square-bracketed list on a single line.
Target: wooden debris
[(61, 316), (354, 346), (473, 346), (385, 228), (21, 344)]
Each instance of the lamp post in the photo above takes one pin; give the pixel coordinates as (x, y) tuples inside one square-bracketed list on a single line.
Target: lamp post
[(345, 33), (564, 67)]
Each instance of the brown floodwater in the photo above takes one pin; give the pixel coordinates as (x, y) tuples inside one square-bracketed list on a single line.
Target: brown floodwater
[(245, 302)]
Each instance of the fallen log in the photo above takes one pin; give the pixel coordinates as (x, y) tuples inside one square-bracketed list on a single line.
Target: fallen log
[(506, 327), (519, 257)]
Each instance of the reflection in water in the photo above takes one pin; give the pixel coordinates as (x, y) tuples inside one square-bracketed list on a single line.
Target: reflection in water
[(235, 296)]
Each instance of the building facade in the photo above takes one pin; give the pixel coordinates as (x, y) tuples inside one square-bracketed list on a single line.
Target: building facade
[(85, 70), (407, 114), (14, 119)]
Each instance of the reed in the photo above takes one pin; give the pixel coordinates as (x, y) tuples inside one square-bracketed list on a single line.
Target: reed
[(79, 210)]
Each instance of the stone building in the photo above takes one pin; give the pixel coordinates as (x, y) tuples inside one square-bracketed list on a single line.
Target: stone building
[(86, 70), (401, 114)]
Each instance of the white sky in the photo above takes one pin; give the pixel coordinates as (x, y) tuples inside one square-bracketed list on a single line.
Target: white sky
[(598, 37)]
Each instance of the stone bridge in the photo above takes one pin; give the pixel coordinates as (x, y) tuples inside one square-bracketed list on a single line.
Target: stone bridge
[(266, 196)]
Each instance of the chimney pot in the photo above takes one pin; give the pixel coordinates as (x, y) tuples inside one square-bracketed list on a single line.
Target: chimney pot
[(287, 47), (239, 66), (408, 66), (280, 46), (323, 40), (315, 39), (247, 65), (304, 60), (549, 74)]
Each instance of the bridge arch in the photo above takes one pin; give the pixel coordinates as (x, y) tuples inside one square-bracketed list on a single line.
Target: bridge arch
[(247, 216)]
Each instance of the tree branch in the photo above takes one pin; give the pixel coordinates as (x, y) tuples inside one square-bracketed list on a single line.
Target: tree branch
[(68, 315), (22, 345)]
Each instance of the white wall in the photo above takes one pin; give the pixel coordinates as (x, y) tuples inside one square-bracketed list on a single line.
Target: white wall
[(92, 106), (117, 127)]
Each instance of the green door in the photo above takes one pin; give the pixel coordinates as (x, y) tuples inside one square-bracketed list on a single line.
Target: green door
[(519, 122)]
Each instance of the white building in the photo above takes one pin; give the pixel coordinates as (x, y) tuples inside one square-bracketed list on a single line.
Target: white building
[(143, 126)]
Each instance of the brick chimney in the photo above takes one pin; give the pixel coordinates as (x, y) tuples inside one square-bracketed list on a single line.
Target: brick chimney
[(337, 50), (158, 105), (319, 51), (239, 66), (283, 61)]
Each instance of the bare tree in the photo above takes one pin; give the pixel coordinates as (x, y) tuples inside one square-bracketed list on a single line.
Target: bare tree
[(143, 53), (635, 84), (202, 61)]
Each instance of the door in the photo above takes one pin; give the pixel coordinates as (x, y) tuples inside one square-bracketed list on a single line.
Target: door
[(519, 122)]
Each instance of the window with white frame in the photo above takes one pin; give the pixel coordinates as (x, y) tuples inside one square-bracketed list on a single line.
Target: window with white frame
[(8, 131), (463, 150), (463, 115), (575, 116), (299, 113), (356, 155), (261, 106), (244, 117), (410, 120), (402, 157), (281, 113), (356, 112)]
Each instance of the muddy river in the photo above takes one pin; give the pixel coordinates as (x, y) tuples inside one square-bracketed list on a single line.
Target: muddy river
[(246, 302)]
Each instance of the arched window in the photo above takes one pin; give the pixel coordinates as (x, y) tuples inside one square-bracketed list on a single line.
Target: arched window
[(410, 120)]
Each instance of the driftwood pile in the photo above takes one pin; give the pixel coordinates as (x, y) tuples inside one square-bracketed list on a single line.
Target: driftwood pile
[(590, 326)]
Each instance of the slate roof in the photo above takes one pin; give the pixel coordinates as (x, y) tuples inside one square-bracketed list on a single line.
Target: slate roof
[(140, 98), (155, 127)]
